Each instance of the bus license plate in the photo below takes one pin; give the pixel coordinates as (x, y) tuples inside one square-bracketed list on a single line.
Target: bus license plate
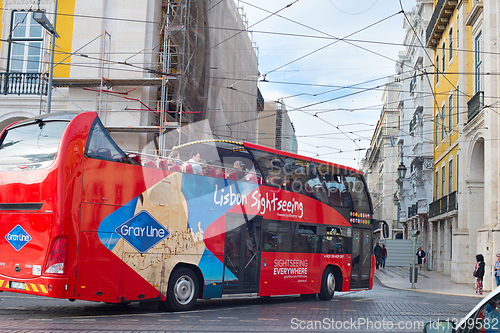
[(17, 285)]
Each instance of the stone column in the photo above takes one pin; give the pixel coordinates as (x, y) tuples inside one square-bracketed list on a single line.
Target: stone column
[(439, 247)]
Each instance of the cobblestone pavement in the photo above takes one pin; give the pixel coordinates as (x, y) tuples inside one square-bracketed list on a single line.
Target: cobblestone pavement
[(378, 310)]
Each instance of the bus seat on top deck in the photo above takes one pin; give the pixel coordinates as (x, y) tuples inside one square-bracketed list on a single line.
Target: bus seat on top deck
[(334, 196), (231, 174), (148, 163), (187, 168), (210, 172), (135, 157), (252, 178), (219, 174), (162, 163), (104, 153), (173, 167)]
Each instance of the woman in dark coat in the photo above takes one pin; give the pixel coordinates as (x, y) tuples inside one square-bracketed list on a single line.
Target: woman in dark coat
[(479, 273), (420, 257)]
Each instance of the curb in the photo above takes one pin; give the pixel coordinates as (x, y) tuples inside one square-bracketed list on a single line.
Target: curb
[(428, 291)]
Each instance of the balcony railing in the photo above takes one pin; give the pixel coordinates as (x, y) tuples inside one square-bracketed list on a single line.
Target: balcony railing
[(22, 84), (452, 201), (475, 104), (412, 210), (443, 205), (433, 21)]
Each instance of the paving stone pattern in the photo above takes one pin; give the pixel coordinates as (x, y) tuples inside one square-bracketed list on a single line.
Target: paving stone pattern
[(21, 313)]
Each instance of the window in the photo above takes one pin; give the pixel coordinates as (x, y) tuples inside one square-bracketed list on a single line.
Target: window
[(443, 55), (450, 46), (413, 82), (487, 313), (450, 176), (101, 146), (436, 130), (443, 117), (336, 189), (443, 181), (458, 174), (437, 69), (277, 236), (458, 103), (34, 145), (450, 113), (357, 190), (335, 244), (436, 182), (26, 46), (305, 239), (478, 63)]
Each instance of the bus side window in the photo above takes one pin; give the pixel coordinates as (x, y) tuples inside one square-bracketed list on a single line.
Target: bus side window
[(333, 244), (279, 234), (305, 239), (101, 146), (358, 192), (316, 187)]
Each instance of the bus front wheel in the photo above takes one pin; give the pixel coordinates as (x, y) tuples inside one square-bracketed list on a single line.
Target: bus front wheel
[(327, 285), (182, 290)]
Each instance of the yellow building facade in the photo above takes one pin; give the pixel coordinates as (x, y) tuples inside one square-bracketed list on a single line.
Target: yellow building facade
[(443, 40), (464, 215)]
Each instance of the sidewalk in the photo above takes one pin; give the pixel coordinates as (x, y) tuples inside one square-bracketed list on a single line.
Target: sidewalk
[(427, 282)]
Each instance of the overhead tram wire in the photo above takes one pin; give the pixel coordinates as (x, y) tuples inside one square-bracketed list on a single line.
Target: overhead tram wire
[(116, 69), (245, 92), (255, 31), (332, 43), (265, 18), (322, 32)]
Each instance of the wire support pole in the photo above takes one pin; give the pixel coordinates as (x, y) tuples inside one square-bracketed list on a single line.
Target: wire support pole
[(51, 67)]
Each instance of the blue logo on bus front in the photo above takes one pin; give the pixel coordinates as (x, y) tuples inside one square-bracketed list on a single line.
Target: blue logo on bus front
[(142, 232), (18, 237)]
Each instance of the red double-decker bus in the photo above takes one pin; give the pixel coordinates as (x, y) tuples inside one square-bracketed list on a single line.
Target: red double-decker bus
[(82, 219)]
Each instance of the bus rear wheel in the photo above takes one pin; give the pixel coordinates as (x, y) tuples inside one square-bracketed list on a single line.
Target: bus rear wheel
[(182, 290), (327, 285)]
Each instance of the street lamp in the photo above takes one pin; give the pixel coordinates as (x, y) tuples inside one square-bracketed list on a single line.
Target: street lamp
[(40, 17), (401, 171), (395, 199)]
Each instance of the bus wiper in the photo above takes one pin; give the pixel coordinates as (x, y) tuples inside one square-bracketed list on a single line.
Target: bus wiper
[(40, 122)]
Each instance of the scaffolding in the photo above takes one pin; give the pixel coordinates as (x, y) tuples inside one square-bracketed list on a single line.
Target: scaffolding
[(182, 100)]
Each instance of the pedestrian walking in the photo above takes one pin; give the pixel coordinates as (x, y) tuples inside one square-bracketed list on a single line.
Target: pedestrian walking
[(384, 256), (479, 273), (420, 257), (496, 269), (377, 251)]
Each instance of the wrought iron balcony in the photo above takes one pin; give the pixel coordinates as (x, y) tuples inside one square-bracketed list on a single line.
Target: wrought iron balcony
[(413, 210), (23, 84), (443, 205), (475, 104)]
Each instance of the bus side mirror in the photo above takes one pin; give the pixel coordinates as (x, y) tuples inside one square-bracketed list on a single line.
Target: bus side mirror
[(383, 226)]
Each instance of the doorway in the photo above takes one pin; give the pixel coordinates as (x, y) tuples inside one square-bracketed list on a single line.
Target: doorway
[(241, 254), (362, 245)]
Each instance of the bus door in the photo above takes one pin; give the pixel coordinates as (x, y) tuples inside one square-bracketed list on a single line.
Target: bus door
[(241, 254), (361, 257)]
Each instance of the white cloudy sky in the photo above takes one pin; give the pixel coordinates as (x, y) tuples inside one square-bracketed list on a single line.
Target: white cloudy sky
[(339, 132)]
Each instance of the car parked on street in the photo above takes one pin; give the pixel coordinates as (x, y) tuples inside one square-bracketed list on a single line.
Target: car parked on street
[(484, 317)]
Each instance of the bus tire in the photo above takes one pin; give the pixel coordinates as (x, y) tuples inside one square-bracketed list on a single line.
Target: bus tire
[(327, 285), (182, 290)]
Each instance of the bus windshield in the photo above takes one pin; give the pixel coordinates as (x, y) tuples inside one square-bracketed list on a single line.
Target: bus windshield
[(33, 145)]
